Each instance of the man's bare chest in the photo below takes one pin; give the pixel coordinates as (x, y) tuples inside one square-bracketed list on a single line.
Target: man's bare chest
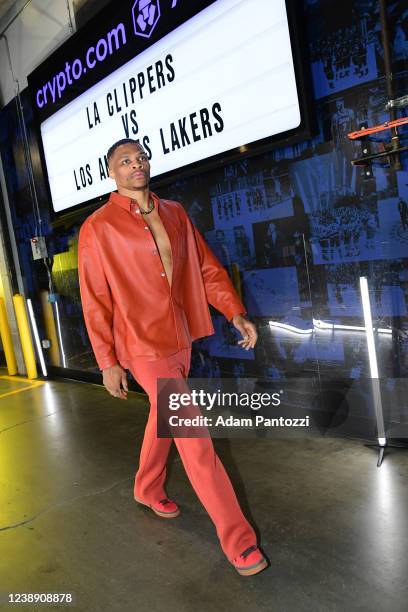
[(159, 233)]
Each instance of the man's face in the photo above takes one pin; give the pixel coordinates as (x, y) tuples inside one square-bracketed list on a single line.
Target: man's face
[(129, 167)]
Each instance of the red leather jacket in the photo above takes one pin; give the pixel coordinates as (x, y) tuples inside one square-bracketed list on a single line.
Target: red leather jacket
[(129, 308)]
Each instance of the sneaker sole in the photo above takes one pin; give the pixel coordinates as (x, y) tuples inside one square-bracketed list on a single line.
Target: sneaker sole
[(252, 570), (161, 514)]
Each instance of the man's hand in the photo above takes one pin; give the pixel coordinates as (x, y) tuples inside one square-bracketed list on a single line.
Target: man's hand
[(112, 378), (247, 331)]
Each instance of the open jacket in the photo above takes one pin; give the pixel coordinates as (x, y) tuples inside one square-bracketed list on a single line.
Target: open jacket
[(129, 308)]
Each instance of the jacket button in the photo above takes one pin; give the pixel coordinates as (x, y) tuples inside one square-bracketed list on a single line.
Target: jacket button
[(163, 274), (154, 252), (146, 227)]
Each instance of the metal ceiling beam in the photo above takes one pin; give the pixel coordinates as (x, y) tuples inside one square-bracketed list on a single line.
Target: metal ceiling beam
[(11, 15)]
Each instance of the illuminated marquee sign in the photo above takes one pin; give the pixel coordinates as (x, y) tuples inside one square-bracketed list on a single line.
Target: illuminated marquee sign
[(188, 83)]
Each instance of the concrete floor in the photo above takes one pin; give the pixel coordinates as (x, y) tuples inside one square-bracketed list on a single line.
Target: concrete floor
[(334, 526)]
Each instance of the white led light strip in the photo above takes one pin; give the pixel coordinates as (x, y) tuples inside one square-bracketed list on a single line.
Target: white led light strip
[(37, 337)]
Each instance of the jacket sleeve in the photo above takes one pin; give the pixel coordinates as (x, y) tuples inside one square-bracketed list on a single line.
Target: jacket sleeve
[(218, 286), (96, 298)]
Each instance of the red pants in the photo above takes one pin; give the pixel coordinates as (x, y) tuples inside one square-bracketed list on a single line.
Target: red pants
[(203, 466)]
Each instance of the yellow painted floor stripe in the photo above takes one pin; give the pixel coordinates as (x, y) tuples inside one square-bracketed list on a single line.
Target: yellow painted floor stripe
[(18, 379), (38, 384)]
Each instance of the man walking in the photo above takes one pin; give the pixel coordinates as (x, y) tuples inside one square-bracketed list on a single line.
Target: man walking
[(146, 278)]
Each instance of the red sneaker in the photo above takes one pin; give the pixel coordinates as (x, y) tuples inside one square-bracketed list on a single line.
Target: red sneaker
[(165, 508), (250, 562)]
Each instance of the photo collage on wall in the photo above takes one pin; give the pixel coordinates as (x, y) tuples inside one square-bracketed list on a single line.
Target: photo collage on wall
[(303, 224)]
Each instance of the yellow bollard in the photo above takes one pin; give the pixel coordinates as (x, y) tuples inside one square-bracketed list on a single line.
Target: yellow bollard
[(7, 340), (236, 279), (50, 328), (25, 336)]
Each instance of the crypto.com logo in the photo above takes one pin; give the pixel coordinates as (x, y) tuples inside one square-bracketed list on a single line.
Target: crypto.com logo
[(146, 14)]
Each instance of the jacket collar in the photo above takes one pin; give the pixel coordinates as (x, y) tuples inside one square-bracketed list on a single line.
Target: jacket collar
[(125, 202)]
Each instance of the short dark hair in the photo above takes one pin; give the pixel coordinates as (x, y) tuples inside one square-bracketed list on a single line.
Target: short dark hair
[(119, 143)]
